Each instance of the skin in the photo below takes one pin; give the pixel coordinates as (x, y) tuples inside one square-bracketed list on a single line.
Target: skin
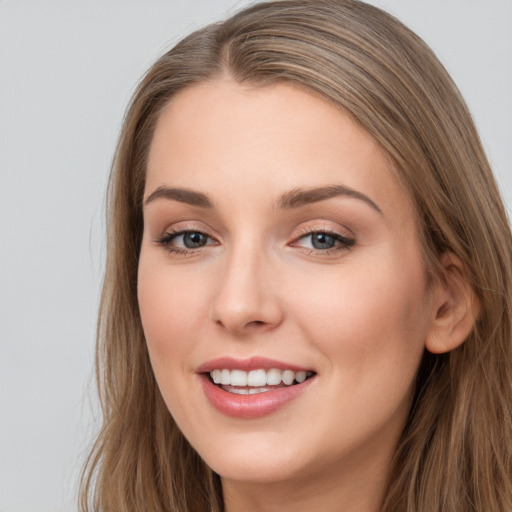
[(358, 314)]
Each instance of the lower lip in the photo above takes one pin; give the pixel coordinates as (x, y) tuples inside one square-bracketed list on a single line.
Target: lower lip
[(251, 406)]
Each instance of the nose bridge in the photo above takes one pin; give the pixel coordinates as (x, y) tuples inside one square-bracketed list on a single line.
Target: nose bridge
[(246, 294)]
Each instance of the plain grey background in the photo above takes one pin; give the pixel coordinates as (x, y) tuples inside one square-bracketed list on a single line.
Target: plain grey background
[(67, 69)]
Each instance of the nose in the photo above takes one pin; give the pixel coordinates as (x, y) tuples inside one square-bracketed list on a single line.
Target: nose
[(247, 298)]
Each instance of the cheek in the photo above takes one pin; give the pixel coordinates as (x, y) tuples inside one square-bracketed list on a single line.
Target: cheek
[(371, 320), (170, 309)]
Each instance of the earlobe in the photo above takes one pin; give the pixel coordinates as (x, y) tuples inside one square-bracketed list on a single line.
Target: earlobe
[(455, 308)]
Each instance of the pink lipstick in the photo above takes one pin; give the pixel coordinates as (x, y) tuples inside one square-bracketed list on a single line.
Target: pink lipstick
[(252, 388)]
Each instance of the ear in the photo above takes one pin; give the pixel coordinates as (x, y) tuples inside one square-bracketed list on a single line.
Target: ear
[(455, 307)]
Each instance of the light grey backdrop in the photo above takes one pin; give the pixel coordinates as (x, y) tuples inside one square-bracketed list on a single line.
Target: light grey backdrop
[(67, 69)]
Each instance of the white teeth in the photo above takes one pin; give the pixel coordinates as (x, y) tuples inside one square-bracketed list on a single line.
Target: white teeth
[(288, 377), (300, 377), (238, 378), (257, 379), (225, 377), (274, 377), (253, 391), (238, 391), (246, 390)]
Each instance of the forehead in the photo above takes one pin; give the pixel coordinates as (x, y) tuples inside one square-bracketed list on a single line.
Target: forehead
[(222, 135)]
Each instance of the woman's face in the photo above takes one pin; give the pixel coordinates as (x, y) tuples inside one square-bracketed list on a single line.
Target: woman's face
[(279, 250)]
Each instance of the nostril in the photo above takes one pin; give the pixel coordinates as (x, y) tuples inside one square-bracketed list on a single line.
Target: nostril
[(256, 323)]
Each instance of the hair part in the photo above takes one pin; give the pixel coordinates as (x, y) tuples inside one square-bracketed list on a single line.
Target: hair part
[(456, 451)]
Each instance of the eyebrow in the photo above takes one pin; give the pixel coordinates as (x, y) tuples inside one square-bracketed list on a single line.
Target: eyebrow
[(299, 197), (295, 198), (181, 195)]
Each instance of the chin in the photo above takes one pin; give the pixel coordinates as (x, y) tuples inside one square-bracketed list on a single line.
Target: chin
[(254, 459), (259, 472)]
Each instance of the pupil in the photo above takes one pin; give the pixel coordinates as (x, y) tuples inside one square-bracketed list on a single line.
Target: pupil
[(322, 241), (194, 240)]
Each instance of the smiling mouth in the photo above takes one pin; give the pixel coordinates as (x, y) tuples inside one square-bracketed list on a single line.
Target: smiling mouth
[(252, 382)]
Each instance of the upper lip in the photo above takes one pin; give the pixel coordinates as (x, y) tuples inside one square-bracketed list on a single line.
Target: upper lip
[(252, 363)]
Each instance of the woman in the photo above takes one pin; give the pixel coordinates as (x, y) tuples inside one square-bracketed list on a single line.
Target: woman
[(307, 295)]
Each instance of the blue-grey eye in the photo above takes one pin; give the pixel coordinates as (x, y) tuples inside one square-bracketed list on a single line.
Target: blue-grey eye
[(194, 239), (322, 241)]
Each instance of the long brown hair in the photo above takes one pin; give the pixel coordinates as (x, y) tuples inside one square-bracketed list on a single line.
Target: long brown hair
[(456, 450)]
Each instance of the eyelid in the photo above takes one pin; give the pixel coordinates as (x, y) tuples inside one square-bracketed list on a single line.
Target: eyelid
[(184, 226), (165, 238), (345, 242), (173, 235), (324, 227)]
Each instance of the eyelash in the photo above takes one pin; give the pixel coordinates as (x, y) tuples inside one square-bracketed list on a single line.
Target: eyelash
[(166, 239), (344, 243)]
